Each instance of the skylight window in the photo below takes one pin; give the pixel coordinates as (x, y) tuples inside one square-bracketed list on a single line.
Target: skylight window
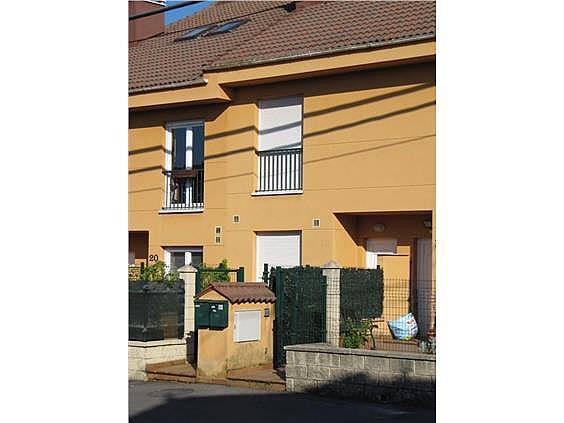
[(229, 26), (193, 33)]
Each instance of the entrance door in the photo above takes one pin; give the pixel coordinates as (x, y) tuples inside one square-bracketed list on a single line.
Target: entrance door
[(277, 249), (424, 284)]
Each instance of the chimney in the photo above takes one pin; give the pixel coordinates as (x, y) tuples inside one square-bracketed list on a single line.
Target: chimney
[(140, 29)]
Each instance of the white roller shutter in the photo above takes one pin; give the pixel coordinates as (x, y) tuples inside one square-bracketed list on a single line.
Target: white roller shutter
[(375, 246), (280, 123), (278, 249)]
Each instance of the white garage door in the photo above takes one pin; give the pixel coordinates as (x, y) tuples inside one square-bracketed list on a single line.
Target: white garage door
[(277, 249)]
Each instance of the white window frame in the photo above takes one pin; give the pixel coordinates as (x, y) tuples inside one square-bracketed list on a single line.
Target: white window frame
[(168, 155), (187, 254)]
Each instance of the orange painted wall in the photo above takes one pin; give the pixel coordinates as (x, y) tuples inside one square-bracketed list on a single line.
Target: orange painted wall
[(369, 146)]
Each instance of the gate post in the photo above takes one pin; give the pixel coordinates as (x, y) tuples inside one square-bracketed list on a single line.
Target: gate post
[(188, 275), (332, 271)]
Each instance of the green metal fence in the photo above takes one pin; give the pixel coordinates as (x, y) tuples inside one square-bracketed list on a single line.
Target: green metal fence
[(300, 307), (361, 294), (156, 310)]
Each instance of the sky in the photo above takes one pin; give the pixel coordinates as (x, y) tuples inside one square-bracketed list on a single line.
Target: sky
[(176, 14)]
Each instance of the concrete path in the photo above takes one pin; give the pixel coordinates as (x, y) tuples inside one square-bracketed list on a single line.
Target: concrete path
[(159, 402)]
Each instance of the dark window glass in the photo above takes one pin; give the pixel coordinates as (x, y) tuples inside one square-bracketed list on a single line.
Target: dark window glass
[(177, 260), (198, 146), (179, 148), (193, 33), (197, 259)]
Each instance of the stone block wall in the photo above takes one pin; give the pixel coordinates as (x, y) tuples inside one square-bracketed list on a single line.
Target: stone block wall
[(142, 353), (367, 374)]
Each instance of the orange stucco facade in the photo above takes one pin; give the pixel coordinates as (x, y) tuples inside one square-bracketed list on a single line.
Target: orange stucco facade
[(368, 159)]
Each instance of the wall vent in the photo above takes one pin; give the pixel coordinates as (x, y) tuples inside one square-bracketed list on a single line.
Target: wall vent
[(218, 230), (236, 218), (316, 223), (217, 240)]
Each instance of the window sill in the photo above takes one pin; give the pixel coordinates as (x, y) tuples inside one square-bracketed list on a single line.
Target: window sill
[(180, 211), (289, 192)]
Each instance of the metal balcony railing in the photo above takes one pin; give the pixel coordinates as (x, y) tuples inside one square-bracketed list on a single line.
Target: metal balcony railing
[(184, 189), (280, 170)]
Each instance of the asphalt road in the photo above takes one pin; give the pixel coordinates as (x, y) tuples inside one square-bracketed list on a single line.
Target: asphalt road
[(158, 402)]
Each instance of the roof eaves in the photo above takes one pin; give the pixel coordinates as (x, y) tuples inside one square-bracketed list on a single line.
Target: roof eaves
[(367, 46), (163, 87)]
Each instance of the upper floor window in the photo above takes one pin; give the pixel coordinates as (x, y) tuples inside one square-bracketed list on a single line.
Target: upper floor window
[(280, 145), (184, 166)]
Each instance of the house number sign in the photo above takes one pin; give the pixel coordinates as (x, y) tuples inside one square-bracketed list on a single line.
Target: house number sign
[(153, 257)]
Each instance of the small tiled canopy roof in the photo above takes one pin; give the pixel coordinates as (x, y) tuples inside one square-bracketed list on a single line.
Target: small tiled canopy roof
[(248, 292)]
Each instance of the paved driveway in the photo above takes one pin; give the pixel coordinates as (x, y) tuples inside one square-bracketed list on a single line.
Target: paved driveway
[(158, 402)]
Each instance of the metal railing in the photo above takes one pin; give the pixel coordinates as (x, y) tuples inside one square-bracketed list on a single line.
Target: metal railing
[(184, 189), (280, 170)]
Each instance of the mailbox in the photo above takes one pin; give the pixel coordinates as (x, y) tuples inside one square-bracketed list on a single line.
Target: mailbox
[(218, 314), (211, 314), (202, 315)]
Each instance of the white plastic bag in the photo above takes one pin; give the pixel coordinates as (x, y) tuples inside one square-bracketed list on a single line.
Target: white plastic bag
[(404, 328)]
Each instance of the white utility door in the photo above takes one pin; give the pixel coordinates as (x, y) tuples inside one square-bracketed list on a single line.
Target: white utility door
[(375, 246), (424, 284), (277, 249)]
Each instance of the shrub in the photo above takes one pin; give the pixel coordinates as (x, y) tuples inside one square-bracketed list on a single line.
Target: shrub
[(211, 274), (157, 272), (356, 333)]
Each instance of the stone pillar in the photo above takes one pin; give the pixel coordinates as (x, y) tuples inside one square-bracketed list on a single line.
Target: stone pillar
[(332, 271), (188, 274)]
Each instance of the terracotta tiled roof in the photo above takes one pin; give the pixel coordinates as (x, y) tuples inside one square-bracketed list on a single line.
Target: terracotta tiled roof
[(248, 292), (336, 26), (160, 62), (273, 34)]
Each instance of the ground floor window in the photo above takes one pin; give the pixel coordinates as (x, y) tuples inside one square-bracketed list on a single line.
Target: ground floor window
[(176, 257)]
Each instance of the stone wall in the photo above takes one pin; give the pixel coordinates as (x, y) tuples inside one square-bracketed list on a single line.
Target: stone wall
[(375, 375), (142, 353)]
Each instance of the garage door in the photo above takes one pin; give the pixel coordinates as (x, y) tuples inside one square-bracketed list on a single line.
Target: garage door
[(277, 249)]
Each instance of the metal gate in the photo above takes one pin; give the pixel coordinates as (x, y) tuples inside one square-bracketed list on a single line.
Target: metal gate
[(300, 307)]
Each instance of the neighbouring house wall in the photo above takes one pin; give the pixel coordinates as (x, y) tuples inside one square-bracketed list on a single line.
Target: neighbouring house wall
[(369, 146), (376, 375), (218, 353)]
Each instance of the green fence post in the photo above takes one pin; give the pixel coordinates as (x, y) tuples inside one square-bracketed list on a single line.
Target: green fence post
[(324, 309), (279, 348), (198, 281), (265, 273), (241, 274)]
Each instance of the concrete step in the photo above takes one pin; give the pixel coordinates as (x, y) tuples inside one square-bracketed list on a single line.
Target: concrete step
[(175, 371), (263, 378)]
